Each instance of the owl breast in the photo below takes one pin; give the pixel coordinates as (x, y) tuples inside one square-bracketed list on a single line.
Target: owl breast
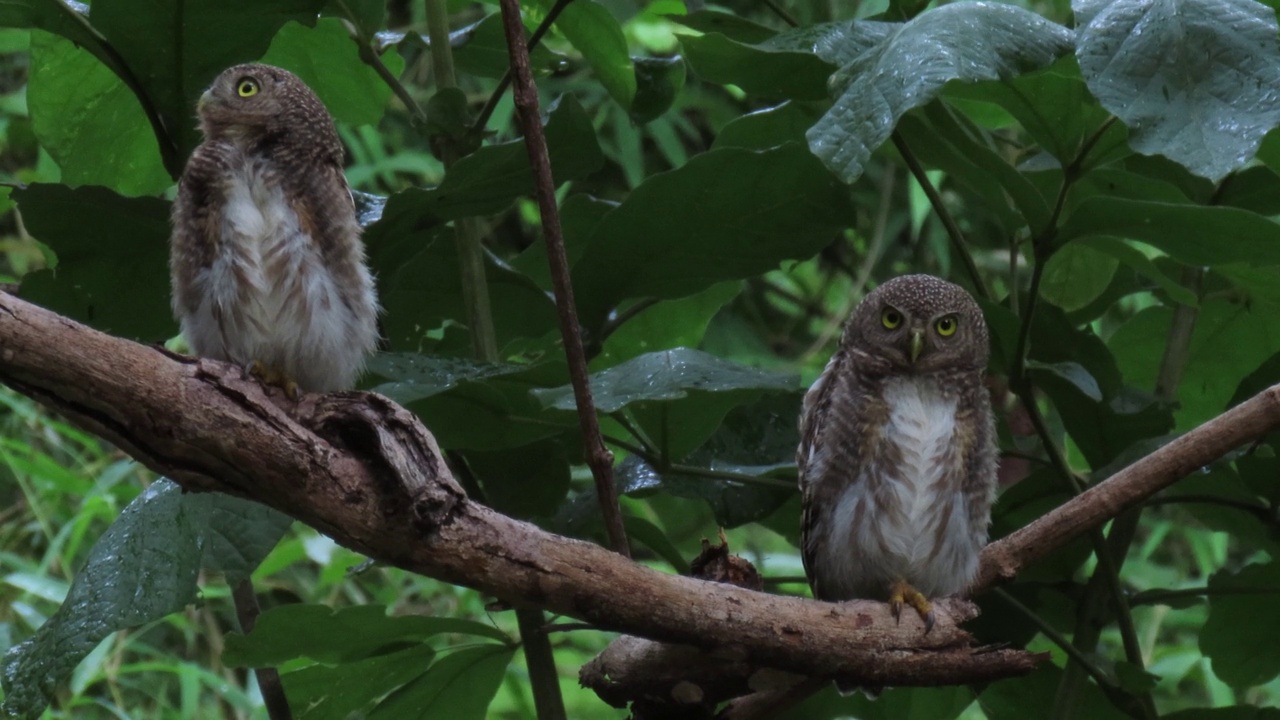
[(902, 518), (268, 294)]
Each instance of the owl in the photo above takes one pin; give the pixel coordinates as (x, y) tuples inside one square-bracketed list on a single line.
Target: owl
[(266, 261), (897, 453)]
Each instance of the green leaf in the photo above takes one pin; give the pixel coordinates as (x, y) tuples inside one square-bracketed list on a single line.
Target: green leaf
[(666, 375), (90, 122), (335, 693), (1229, 341), (490, 179), (759, 70), (1192, 234), (330, 635), (1075, 275), (667, 324), (239, 535), (481, 49), (765, 129), (460, 686), (1194, 81), (112, 274), (326, 59), (142, 568), (1237, 712), (726, 214), (1074, 373), (1053, 105), (1010, 699), (188, 44), (1141, 264), (473, 406), (964, 41), (591, 29), (1243, 630), (422, 288), (729, 25), (658, 83), (526, 482), (757, 440)]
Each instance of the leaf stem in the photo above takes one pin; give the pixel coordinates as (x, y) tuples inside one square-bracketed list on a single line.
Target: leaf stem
[(247, 611), (526, 102), (949, 223), (782, 12), (1163, 596)]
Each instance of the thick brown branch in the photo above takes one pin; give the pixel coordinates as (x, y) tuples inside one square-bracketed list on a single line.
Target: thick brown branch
[(1244, 423), (364, 470)]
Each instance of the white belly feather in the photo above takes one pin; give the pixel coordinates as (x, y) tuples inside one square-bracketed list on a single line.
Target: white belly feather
[(924, 543), (269, 297)]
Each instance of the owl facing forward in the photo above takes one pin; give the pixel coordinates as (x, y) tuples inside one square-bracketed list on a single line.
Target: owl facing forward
[(897, 454), (267, 265)]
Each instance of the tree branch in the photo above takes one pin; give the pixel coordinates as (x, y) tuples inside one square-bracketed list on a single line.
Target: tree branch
[(364, 471)]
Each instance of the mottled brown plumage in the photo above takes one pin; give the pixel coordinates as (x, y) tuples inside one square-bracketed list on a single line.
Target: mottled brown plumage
[(897, 455), (267, 265)]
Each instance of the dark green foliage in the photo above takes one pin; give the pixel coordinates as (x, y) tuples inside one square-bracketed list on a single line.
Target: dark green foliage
[(730, 183)]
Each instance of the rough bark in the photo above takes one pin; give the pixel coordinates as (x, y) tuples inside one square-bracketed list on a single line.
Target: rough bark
[(364, 471)]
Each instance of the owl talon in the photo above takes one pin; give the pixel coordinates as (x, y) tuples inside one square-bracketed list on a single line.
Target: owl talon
[(272, 377), (901, 593)]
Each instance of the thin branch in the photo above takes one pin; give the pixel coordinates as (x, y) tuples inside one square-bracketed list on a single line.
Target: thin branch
[(958, 243), (1261, 512), (1058, 639), (370, 56), (618, 319), (1163, 597), (477, 127), (526, 101)]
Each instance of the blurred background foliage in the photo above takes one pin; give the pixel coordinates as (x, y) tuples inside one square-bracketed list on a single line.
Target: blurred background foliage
[(727, 199)]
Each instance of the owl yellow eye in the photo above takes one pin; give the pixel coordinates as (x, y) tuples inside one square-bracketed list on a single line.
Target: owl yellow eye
[(890, 318), (946, 326), (246, 87)]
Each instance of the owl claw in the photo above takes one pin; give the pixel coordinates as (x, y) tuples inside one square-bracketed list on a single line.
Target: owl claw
[(901, 593), (272, 377)]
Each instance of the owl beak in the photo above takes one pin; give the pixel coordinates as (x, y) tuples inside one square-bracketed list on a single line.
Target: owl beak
[(205, 98), (917, 344)]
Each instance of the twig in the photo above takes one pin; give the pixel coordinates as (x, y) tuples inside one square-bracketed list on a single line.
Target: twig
[(935, 199), (486, 112), (369, 55), (1058, 639), (247, 611), (526, 101), (781, 12), (1162, 597)]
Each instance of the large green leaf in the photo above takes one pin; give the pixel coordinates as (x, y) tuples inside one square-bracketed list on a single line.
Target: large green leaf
[(90, 122), (908, 68), (352, 689), (112, 273), (326, 59), (1229, 341), (667, 375), (481, 49), (176, 49), (756, 441), (726, 214), (143, 567), (1075, 275), (473, 406), (329, 635), (666, 324), (1243, 629), (458, 686), (1193, 79), (757, 69), (1193, 234), (591, 29)]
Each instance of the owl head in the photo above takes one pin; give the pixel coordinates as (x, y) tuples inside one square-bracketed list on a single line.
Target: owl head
[(919, 324), (256, 101)]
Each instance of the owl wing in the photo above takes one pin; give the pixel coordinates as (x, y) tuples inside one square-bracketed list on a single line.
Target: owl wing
[(197, 212), (827, 457)]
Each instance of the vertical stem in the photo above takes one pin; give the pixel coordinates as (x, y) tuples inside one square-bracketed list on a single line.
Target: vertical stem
[(247, 611), (466, 231), (526, 100), (539, 657)]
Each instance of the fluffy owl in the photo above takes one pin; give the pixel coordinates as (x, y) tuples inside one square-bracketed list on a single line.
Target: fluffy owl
[(267, 265), (897, 453)]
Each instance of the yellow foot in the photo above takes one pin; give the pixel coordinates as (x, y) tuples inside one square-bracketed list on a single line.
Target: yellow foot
[(272, 377), (901, 593)]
